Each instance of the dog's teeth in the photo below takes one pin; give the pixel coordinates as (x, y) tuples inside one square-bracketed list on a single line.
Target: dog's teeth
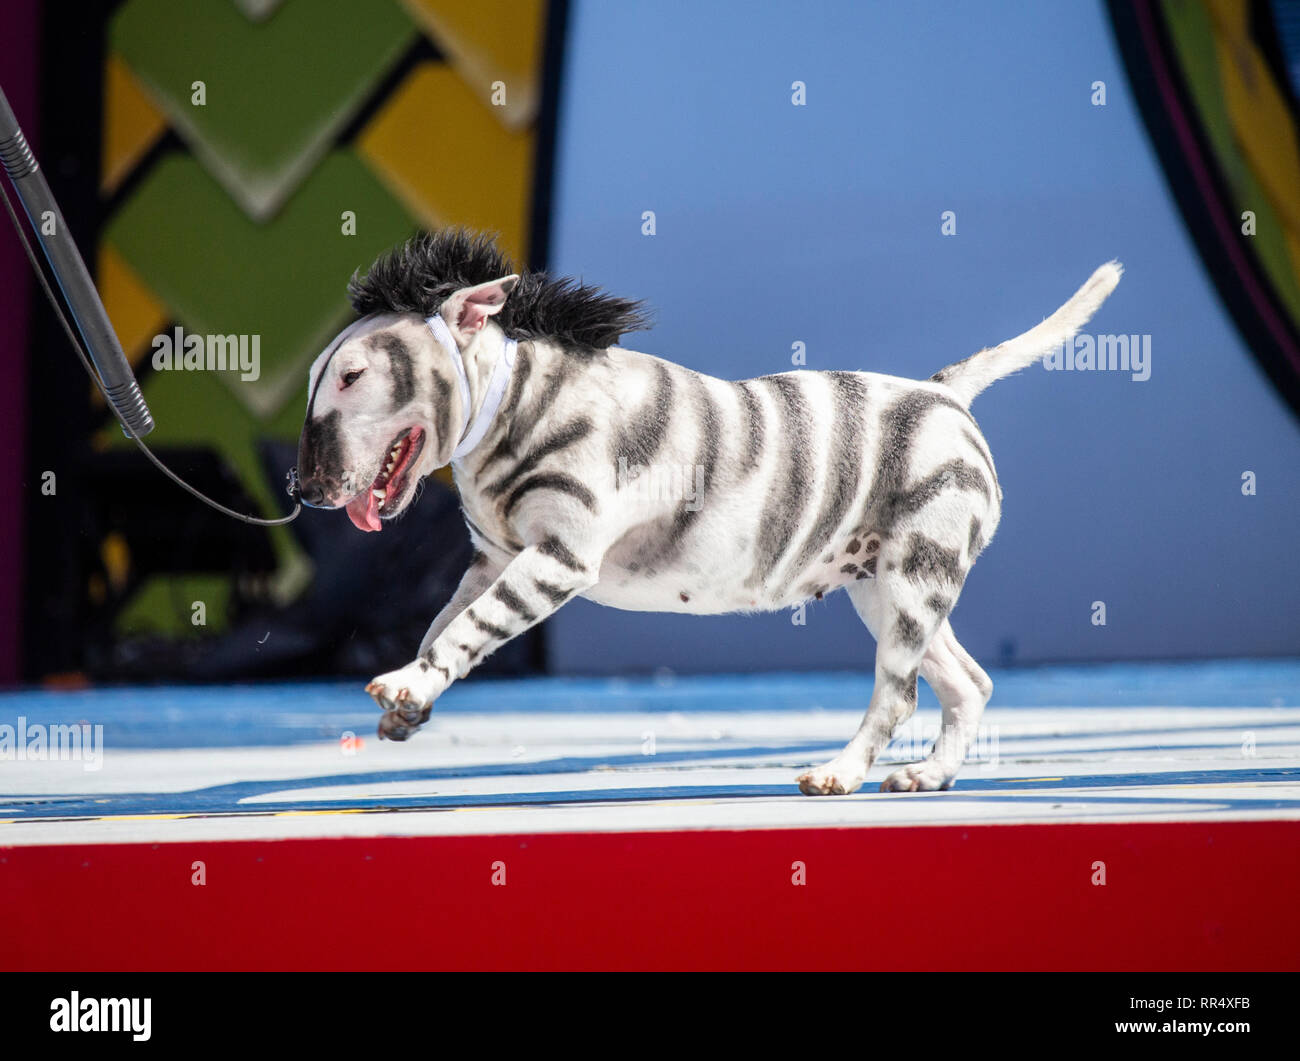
[(381, 494), (390, 467)]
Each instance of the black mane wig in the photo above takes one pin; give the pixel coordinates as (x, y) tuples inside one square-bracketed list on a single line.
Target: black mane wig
[(417, 277)]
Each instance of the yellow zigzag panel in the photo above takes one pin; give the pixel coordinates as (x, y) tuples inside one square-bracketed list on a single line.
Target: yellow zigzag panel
[(131, 123), (442, 153), (490, 41)]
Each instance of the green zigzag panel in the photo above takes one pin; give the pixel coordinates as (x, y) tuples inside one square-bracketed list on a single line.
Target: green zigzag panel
[(277, 91)]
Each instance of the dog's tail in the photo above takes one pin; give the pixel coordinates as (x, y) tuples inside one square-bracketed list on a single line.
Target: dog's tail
[(967, 378)]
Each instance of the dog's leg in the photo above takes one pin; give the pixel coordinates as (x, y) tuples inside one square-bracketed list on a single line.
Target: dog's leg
[(480, 574), (963, 690), (532, 586), (904, 607)]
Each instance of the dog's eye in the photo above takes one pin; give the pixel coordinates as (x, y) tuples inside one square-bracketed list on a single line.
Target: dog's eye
[(352, 377)]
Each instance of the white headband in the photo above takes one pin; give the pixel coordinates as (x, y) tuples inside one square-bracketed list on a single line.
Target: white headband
[(475, 430)]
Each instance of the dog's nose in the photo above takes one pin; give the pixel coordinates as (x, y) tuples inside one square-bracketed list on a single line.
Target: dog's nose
[(311, 492)]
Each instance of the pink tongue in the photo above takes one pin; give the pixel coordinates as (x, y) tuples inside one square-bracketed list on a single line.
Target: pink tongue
[(364, 512)]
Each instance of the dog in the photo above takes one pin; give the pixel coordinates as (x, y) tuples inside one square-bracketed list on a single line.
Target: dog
[(801, 483)]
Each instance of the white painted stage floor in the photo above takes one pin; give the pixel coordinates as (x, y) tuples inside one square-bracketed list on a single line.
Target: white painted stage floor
[(1099, 744)]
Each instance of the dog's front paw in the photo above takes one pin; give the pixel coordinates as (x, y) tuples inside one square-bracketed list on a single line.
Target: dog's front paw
[(406, 697)]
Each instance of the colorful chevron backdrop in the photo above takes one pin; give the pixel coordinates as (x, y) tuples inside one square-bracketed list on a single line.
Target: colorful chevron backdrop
[(254, 154)]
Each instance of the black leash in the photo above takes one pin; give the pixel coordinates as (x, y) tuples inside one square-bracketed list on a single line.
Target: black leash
[(292, 476)]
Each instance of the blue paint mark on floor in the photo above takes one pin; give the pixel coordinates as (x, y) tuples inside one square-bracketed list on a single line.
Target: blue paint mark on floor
[(228, 799), (743, 765), (287, 713)]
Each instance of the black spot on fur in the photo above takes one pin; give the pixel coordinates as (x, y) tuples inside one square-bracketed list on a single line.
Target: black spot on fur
[(419, 275), (908, 631), (928, 561), (905, 686), (939, 604), (854, 546)]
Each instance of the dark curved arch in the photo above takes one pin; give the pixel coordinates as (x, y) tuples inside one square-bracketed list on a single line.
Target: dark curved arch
[(1212, 84)]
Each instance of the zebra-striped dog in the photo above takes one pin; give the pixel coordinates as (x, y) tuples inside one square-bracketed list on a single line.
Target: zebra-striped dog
[(586, 469)]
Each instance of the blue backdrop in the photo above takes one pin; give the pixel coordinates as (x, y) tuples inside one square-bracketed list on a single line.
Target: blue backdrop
[(821, 224)]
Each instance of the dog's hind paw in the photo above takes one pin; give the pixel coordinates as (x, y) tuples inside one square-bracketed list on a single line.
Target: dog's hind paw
[(836, 778), (928, 776)]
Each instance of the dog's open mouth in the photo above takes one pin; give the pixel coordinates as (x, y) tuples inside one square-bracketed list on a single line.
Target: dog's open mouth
[(384, 495)]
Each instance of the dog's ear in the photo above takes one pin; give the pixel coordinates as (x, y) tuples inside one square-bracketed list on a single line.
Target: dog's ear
[(466, 311)]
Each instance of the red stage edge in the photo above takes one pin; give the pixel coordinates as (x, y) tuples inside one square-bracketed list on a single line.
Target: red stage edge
[(1176, 896)]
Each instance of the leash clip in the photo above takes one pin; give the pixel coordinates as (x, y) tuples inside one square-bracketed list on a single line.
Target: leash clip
[(292, 489)]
